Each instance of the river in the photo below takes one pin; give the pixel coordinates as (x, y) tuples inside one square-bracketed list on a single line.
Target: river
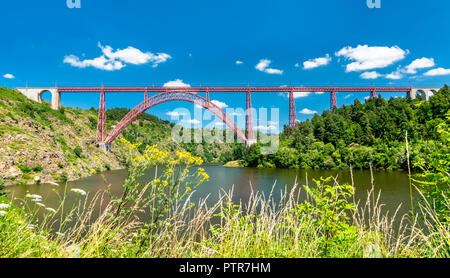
[(394, 185)]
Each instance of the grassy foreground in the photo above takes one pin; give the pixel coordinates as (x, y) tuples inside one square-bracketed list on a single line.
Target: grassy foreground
[(328, 224)]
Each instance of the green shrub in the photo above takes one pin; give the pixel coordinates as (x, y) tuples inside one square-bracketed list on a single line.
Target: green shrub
[(25, 169), (2, 188), (329, 212), (78, 151), (92, 123), (63, 177), (37, 168)]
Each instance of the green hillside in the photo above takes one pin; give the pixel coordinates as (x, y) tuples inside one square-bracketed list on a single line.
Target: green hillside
[(39, 144), (362, 134)]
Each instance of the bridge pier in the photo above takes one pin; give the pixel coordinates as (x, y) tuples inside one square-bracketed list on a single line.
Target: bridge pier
[(333, 101), (101, 123), (249, 132), (292, 111), (36, 95)]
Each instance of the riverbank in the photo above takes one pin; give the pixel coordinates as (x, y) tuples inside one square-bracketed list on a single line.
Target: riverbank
[(235, 164)]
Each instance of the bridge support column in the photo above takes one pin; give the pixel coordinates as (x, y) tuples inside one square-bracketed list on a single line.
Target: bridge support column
[(373, 94), (101, 124), (56, 100), (249, 132), (333, 101), (412, 94), (292, 111), (427, 95)]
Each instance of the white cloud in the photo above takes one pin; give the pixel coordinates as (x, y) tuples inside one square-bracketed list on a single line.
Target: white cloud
[(307, 111), (422, 63), (98, 63), (176, 83), (370, 75), (175, 114), (273, 71), (394, 75), (314, 63), (239, 62), (219, 124), (301, 94), (8, 76), (266, 128), (193, 121), (371, 57), (235, 114), (297, 65), (437, 72), (263, 66), (348, 96), (219, 104), (115, 60), (272, 123), (131, 55)]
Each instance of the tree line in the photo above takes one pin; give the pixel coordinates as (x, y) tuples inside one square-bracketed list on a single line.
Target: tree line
[(361, 135)]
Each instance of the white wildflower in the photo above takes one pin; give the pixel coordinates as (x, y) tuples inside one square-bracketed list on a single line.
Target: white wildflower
[(3, 213), (51, 210), (79, 191), (34, 197), (40, 204), (31, 227), (59, 234), (4, 206)]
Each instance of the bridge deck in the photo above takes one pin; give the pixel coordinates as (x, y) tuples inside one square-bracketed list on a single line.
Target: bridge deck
[(228, 89)]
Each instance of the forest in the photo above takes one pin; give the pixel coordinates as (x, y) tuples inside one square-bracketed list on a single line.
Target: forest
[(362, 135)]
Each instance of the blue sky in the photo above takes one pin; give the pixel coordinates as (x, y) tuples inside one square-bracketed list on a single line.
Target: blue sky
[(141, 43)]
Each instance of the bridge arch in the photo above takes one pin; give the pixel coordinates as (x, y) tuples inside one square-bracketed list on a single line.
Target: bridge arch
[(173, 96), (421, 94), (45, 92), (433, 92)]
